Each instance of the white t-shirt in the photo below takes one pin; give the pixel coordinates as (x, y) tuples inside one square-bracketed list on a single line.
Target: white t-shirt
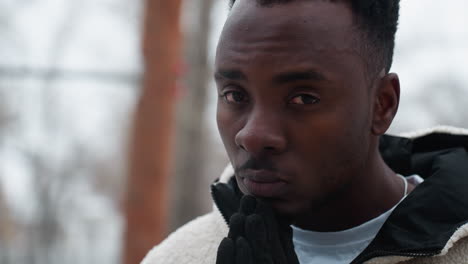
[(339, 247)]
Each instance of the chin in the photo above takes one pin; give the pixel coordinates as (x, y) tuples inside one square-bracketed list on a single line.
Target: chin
[(285, 208)]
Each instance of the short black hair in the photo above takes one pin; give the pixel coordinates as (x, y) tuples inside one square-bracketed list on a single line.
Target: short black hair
[(377, 20)]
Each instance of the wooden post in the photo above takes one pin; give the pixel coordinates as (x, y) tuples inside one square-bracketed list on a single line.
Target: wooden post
[(150, 153), (189, 184)]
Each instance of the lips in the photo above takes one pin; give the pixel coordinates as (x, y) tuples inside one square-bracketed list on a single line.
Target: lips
[(263, 183)]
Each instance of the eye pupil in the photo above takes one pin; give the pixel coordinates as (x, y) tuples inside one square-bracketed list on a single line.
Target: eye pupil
[(238, 97), (304, 99), (235, 97), (307, 99)]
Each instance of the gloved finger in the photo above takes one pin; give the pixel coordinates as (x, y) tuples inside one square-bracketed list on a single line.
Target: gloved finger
[(226, 252), (273, 232), (288, 245), (269, 217), (248, 204), (236, 226), (284, 221), (243, 252), (255, 233)]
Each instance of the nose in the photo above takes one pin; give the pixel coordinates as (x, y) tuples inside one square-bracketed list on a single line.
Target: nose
[(262, 134)]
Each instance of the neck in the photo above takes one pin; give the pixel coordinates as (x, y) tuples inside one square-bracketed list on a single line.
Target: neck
[(375, 191)]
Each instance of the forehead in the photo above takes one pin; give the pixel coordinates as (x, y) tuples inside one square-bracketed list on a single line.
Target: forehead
[(293, 18), (299, 32)]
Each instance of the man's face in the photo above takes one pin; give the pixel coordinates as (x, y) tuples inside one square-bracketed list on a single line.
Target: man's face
[(294, 108)]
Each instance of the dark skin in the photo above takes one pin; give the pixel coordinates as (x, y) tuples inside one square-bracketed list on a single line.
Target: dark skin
[(297, 95)]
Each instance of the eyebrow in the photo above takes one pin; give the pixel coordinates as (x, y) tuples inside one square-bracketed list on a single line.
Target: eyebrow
[(234, 75), (309, 75)]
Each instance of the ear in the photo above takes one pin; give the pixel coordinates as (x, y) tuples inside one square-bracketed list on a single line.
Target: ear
[(387, 99)]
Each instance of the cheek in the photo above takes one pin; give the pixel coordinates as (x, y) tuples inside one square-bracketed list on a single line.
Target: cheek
[(222, 120), (227, 127), (327, 153)]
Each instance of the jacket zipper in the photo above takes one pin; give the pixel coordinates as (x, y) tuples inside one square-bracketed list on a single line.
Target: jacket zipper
[(216, 202), (384, 253)]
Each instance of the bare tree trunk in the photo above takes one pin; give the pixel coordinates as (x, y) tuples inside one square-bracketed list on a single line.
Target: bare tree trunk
[(187, 180), (146, 205)]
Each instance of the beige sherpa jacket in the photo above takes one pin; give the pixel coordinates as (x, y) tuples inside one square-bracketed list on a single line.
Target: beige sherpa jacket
[(197, 241)]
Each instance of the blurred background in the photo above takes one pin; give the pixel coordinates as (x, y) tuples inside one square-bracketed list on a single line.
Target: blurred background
[(108, 138)]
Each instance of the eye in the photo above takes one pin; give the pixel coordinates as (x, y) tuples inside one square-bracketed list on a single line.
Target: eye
[(235, 97), (303, 99)]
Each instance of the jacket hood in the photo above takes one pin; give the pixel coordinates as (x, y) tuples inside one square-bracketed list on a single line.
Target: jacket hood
[(431, 218)]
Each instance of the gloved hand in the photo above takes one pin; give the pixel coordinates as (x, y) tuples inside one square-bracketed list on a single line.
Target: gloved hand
[(256, 236)]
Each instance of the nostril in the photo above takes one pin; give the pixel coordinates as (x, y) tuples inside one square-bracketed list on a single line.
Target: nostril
[(260, 136)]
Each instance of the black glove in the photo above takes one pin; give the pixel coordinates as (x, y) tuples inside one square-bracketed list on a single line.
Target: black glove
[(257, 236)]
